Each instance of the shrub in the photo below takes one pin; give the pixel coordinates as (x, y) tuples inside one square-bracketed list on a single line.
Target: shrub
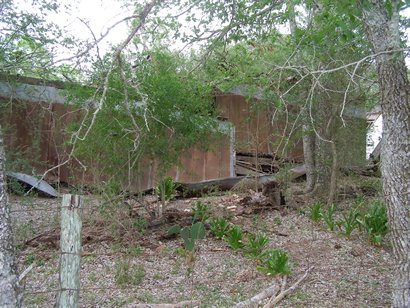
[(274, 262)]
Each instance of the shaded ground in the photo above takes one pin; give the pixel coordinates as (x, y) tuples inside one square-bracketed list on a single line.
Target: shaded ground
[(125, 262)]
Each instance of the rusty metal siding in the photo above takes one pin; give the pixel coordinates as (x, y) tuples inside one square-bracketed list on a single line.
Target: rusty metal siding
[(39, 131), (255, 132)]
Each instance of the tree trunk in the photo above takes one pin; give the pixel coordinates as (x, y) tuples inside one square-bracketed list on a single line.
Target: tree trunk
[(333, 175), (308, 138), (309, 156), (10, 295), (382, 29)]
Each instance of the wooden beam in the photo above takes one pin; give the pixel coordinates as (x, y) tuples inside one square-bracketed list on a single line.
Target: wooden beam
[(70, 255)]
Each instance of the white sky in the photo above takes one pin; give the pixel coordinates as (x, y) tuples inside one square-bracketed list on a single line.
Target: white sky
[(101, 14)]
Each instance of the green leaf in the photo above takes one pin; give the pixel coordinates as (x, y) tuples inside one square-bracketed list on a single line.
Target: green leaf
[(198, 231), (175, 229), (186, 233), (189, 244)]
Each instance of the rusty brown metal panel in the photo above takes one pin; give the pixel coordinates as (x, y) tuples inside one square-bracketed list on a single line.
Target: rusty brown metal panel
[(50, 123), (26, 135), (255, 132)]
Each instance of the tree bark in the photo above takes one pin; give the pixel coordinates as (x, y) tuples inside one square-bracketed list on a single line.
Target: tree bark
[(309, 156), (333, 175), (382, 29), (308, 138), (10, 295)]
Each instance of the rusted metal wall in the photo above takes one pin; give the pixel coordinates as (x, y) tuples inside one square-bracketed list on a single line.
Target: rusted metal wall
[(255, 131), (36, 139)]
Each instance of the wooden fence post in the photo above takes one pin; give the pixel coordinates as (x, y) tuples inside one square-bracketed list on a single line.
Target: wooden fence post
[(70, 252)]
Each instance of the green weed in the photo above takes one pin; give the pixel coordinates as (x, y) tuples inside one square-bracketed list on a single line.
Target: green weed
[(125, 274), (166, 189), (328, 217), (190, 235), (255, 244), (315, 212), (134, 251), (140, 224), (349, 222), (234, 238), (375, 222), (274, 262), (201, 211), (219, 227)]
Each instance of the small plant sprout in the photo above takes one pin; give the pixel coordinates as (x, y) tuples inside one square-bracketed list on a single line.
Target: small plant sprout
[(234, 238), (201, 212), (219, 227), (329, 218), (315, 212), (349, 222), (375, 223), (274, 262), (125, 274), (190, 235), (255, 244)]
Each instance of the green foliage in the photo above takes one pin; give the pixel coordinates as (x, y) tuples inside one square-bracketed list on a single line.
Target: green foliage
[(140, 224), (189, 234), (15, 186), (234, 238), (126, 274), (349, 222), (162, 111), (219, 227), (28, 38), (315, 212), (370, 186), (166, 189), (255, 244), (274, 262), (375, 222), (201, 211), (134, 251), (328, 217)]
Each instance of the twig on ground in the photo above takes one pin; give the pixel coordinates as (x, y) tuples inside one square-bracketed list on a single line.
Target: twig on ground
[(26, 271), (284, 292), (182, 304), (254, 301)]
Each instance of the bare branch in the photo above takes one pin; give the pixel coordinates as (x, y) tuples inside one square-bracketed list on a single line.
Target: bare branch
[(284, 293)]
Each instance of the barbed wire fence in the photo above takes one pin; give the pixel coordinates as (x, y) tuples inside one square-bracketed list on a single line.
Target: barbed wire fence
[(70, 289)]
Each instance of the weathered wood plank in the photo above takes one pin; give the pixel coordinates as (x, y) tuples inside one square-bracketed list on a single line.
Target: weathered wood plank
[(70, 258)]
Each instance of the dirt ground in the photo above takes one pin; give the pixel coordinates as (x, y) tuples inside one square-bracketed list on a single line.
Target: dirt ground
[(126, 262)]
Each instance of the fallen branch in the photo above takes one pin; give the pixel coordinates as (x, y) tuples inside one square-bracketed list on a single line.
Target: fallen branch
[(182, 304), (40, 235), (254, 301), (26, 271), (274, 300)]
